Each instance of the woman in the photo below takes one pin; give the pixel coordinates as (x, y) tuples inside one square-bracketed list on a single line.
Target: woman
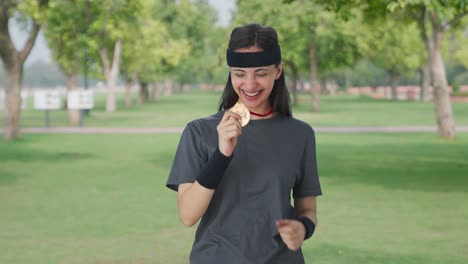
[(238, 180)]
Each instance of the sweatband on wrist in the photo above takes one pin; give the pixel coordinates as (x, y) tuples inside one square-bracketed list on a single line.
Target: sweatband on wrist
[(308, 224), (254, 59), (211, 175)]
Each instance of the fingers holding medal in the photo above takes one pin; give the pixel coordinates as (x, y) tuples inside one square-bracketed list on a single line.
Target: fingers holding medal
[(240, 109), (230, 128)]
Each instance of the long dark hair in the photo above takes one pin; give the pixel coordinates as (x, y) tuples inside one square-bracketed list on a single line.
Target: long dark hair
[(265, 38)]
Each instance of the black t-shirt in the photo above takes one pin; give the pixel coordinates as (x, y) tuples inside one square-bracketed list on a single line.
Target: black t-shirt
[(272, 158)]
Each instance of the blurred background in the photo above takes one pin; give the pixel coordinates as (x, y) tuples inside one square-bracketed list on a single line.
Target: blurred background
[(94, 95)]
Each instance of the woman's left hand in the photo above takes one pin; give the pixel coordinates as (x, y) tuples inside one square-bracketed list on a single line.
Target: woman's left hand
[(292, 232)]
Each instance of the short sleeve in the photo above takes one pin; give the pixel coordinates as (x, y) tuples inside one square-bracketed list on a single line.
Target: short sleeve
[(308, 183), (189, 158)]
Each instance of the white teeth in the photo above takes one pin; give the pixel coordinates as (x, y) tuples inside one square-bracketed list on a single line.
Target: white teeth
[(252, 94)]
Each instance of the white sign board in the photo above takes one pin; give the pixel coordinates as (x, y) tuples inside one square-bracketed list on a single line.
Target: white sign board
[(47, 100), (24, 100), (80, 99)]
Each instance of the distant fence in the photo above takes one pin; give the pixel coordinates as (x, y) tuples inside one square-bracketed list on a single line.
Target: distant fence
[(404, 93), (61, 92)]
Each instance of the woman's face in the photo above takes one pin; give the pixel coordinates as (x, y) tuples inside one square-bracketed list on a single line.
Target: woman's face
[(254, 85)]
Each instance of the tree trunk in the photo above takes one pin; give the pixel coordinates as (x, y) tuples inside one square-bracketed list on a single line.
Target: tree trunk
[(156, 92), (293, 83), (73, 114), (323, 86), (188, 87), (131, 81), (314, 83), (333, 87), (128, 93), (347, 76), (111, 72), (168, 87), (111, 100), (144, 93), (13, 61), (443, 105), (425, 82), (177, 87), (300, 85), (394, 80), (12, 110)]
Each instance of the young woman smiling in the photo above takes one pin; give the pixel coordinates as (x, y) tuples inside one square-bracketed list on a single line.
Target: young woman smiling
[(238, 179)]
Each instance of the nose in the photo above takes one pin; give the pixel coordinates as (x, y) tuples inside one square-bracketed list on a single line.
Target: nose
[(250, 83)]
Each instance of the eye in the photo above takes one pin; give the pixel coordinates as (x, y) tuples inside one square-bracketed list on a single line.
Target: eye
[(261, 74), (239, 75)]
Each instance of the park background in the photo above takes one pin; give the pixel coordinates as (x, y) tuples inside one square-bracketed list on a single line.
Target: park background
[(393, 171)]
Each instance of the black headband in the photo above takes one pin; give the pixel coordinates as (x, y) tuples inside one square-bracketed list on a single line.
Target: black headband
[(254, 59)]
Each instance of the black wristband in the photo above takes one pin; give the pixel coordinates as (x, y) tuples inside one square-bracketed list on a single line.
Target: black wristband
[(308, 224), (211, 175)]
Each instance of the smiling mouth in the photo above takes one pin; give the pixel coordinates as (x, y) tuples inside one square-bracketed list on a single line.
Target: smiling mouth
[(252, 94)]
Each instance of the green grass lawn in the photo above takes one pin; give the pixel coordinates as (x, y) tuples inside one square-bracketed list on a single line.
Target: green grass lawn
[(388, 198), (177, 110)]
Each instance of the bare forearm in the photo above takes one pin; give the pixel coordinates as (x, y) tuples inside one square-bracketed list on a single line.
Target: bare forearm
[(307, 207), (193, 202)]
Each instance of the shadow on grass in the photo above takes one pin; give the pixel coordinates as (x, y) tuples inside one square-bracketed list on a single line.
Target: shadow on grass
[(21, 151), (345, 104), (31, 155), (162, 159), (17, 155), (7, 177), (419, 167), (327, 253)]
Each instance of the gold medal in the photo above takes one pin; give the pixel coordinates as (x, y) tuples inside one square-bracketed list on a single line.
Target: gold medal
[(240, 109)]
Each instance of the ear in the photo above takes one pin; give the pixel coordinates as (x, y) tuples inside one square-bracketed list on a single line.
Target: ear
[(279, 70)]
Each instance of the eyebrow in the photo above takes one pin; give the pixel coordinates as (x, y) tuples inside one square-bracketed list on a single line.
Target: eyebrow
[(257, 70)]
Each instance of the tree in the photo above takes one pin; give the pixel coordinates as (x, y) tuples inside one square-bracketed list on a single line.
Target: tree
[(194, 22), (434, 18), (341, 43), (293, 43), (461, 53), (365, 73), (109, 24), (297, 37), (65, 32), (454, 54), (216, 56), (396, 48), (42, 74), (150, 50), (32, 12), (2, 74), (313, 39)]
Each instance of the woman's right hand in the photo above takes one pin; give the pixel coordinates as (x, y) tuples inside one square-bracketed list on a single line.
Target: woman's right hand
[(229, 130)]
